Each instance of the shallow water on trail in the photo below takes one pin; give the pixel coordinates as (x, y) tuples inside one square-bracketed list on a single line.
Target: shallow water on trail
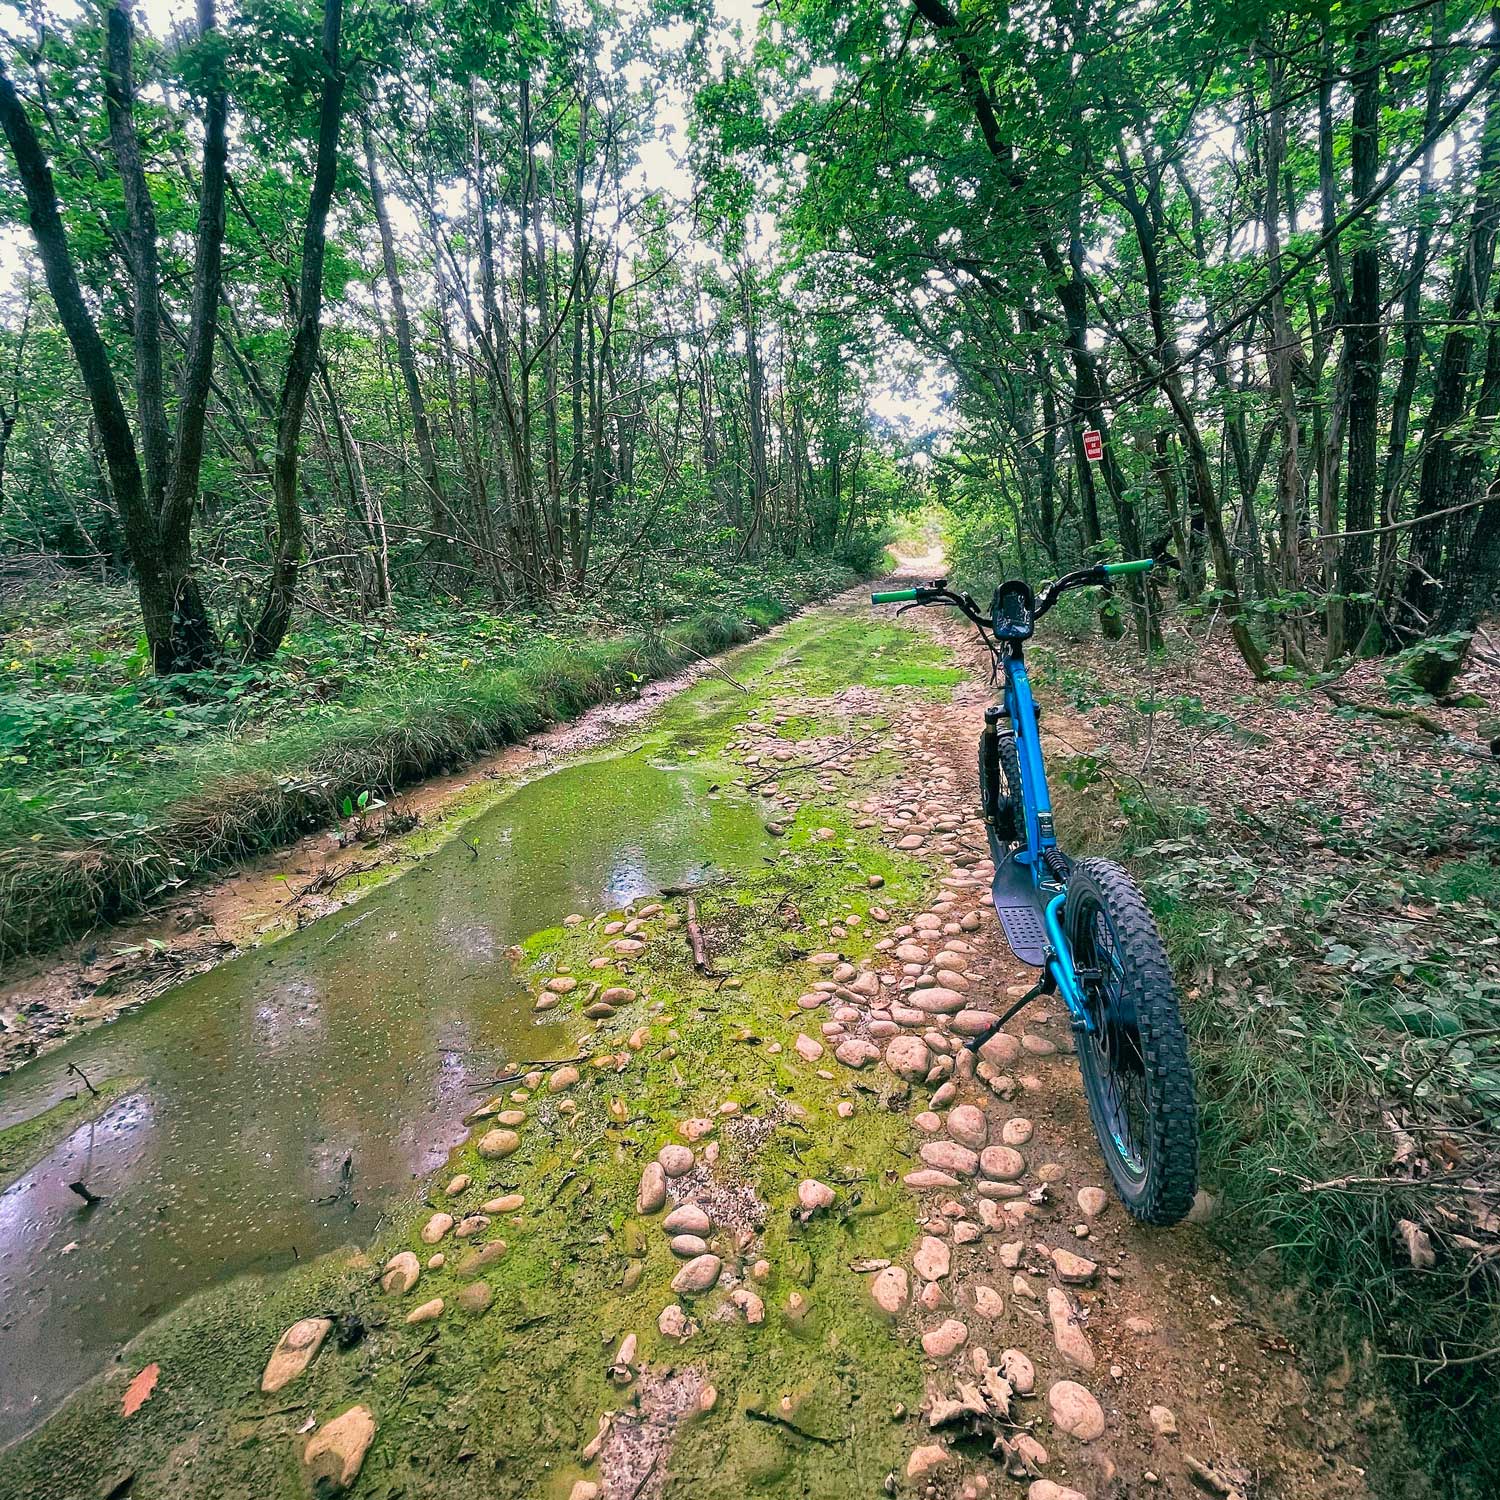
[(289, 1096)]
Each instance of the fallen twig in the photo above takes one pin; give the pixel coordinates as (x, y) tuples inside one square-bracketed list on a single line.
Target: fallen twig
[(812, 765), (423, 1357), (711, 663), (1442, 1362), (640, 1483), (331, 876), (74, 1068), (1456, 1182), (1208, 1478), (1432, 726), (695, 938), (524, 1068), (755, 1414)]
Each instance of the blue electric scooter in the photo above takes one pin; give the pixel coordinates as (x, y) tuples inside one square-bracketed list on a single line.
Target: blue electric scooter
[(1086, 926)]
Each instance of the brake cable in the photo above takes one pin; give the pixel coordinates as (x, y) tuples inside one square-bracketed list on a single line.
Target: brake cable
[(970, 610)]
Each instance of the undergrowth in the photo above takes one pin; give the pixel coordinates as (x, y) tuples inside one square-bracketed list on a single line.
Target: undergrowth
[(122, 785), (1340, 968)]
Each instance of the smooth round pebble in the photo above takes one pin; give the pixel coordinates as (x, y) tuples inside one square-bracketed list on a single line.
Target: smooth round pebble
[(1075, 1410)]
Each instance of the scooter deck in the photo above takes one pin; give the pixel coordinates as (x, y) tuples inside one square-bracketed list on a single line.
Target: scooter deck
[(1016, 904)]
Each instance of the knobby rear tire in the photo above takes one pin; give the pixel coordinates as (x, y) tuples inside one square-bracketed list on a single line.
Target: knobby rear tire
[(1156, 1176)]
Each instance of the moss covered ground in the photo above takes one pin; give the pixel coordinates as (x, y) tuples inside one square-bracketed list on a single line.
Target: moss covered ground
[(502, 1403)]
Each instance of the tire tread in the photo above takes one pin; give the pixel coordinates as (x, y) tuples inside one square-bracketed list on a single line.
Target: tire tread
[(1171, 1181)]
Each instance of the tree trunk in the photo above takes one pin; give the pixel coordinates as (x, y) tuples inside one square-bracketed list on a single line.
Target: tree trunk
[(1146, 218), (140, 248), (439, 520), (1363, 345), (580, 289), (1411, 335), (1435, 486), (177, 627), (369, 512), (276, 611)]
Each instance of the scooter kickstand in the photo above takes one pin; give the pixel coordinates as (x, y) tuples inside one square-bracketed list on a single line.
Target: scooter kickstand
[(1044, 986)]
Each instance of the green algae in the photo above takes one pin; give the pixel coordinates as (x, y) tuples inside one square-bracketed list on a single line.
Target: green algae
[(360, 1039), (501, 1405), (816, 652), (27, 1141)]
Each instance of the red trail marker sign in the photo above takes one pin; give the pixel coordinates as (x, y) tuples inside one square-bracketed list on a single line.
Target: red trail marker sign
[(1093, 445)]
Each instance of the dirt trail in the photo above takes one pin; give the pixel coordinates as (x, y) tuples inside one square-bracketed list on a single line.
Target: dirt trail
[(1200, 1391), (887, 1267)]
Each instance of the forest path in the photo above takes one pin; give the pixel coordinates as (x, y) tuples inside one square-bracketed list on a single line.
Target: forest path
[(899, 1274), (1198, 1388)]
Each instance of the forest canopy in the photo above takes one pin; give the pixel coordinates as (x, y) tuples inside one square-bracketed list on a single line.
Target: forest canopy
[(323, 308), (336, 306)]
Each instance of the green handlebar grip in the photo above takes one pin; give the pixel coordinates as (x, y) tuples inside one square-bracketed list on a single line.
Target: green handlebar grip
[(896, 596), (1140, 565)]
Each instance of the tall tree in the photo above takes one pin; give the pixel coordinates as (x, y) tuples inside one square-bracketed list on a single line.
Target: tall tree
[(156, 506), (302, 363)]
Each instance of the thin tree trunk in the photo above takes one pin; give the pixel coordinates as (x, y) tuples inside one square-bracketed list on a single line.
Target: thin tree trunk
[(140, 248), (440, 522), (276, 611), (1282, 357), (1364, 345), (1145, 216), (579, 290), (369, 512), (1411, 334)]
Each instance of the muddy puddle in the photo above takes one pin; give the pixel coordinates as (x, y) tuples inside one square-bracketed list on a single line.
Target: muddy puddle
[(288, 1098)]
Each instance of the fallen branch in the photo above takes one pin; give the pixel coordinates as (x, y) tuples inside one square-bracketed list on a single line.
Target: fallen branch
[(709, 662), (755, 1414), (422, 1357), (74, 1068), (1455, 1182), (525, 1068), (695, 939), (1442, 1362), (331, 876), (812, 765), (1417, 719), (640, 1483)]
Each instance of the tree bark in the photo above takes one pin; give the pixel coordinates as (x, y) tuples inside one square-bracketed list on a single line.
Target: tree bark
[(1145, 215), (1411, 334), (276, 611), (197, 641), (1364, 345), (439, 519), (176, 621), (140, 248), (1450, 381), (1283, 357)]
